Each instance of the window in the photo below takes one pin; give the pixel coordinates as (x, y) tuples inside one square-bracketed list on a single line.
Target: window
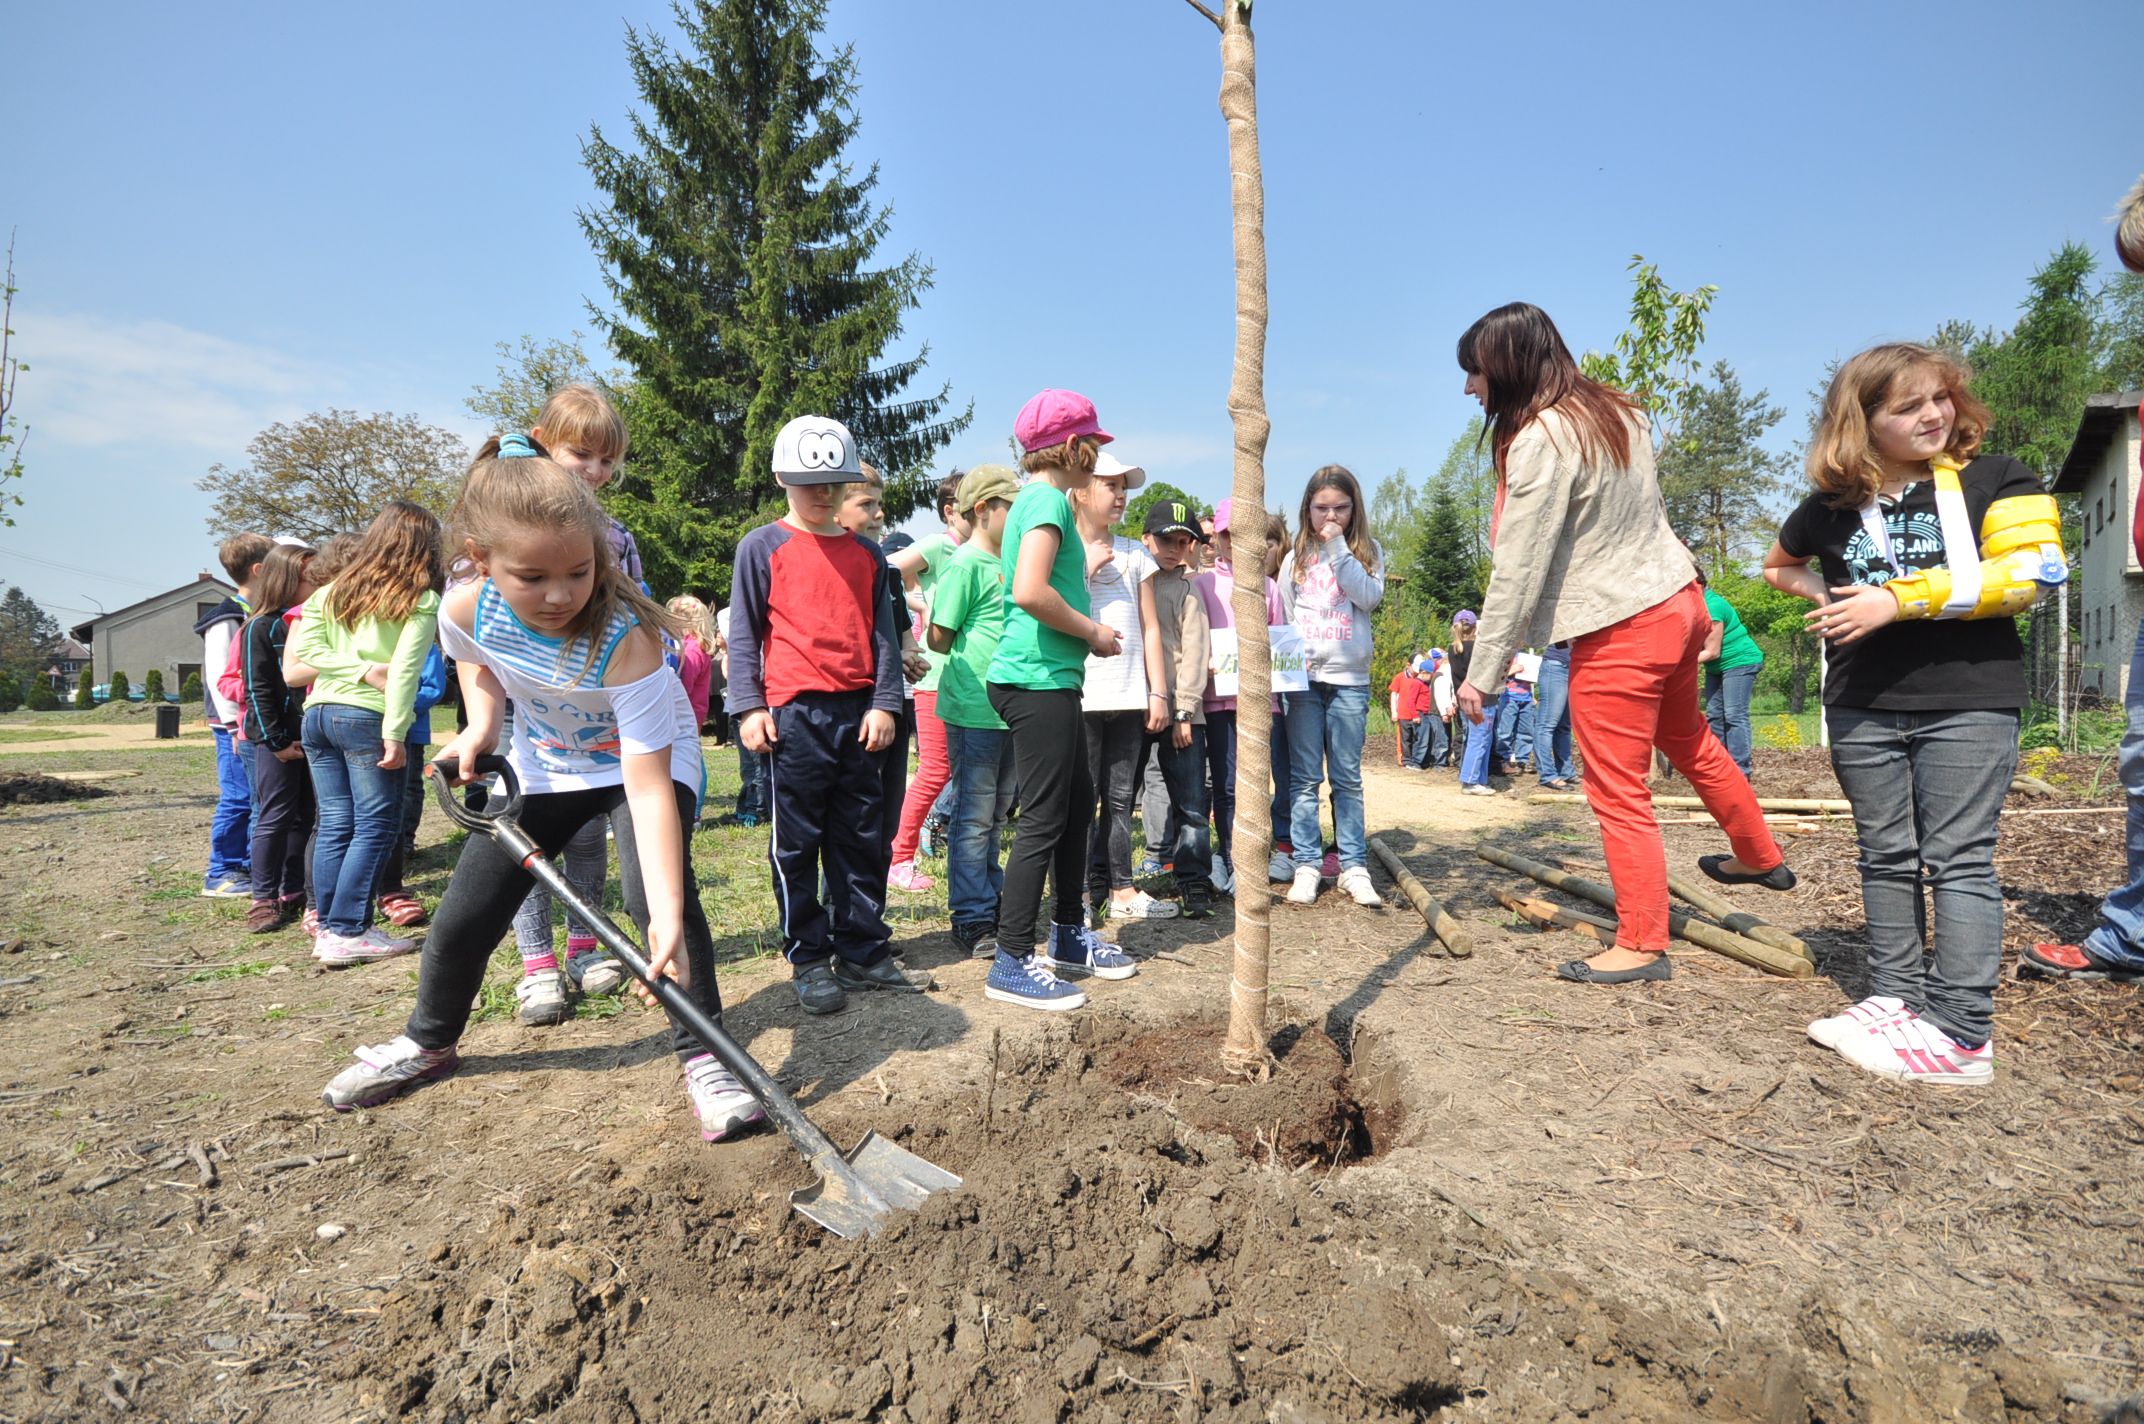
[(2099, 514)]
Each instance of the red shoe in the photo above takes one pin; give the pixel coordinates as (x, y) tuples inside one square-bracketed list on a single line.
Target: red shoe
[(402, 908), (2069, 961)]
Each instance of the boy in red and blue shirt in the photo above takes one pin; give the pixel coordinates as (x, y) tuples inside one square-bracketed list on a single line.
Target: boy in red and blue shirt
[(815, 682)]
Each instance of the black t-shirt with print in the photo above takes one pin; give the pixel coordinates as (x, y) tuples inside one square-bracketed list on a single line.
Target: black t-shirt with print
[(1927, 664)]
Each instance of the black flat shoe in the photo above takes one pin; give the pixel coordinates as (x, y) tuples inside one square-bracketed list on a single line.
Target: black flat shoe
[(1580, 972), (1777, 878), (887, 973)]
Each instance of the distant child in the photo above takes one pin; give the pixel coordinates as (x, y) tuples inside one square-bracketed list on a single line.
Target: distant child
[(1407, 701), (919, 566), (1034, 683), (815, 679), (751, 807), (1185, 640), (380, 612), (967, 620), (1435, 670), (273, 721), (230, 830), (552, 622), (862, 512), (695, 651)]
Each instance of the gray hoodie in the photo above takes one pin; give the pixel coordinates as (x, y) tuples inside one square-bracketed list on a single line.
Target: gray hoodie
[(1331, 606)]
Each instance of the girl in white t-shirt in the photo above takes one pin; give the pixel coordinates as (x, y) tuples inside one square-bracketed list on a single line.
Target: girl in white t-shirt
[(1120, 700)]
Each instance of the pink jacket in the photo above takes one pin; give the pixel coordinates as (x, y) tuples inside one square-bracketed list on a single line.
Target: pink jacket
[(1215, 587)]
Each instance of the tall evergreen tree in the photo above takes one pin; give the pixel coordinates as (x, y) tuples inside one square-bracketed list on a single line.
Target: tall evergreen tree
[(737, 245), (27, 633), (1442, 574), (2035, 378), (1721, 487)]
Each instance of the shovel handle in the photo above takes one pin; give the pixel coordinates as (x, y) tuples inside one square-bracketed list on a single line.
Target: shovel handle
[(447, 770)]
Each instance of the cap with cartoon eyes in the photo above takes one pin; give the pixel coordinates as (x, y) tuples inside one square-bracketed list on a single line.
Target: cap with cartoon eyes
[(816, 450)]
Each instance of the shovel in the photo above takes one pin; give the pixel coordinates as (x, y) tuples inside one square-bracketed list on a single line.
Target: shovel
[(856, 1191)]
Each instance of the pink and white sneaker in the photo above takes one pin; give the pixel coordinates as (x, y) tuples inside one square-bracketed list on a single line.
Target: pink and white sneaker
[(1913, 1050), (1871, 1013), (906, 876), (719, 1101)]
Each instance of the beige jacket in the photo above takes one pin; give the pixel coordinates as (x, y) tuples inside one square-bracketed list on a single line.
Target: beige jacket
[(1581, 545), (1186, 642)]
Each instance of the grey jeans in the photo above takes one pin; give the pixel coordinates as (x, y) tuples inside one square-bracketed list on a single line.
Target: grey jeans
[(1927, 789)]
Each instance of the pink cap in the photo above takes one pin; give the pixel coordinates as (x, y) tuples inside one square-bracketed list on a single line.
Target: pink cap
[(1054, 417), (1221, 510)]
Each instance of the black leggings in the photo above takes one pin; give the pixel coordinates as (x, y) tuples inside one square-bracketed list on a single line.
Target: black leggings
[(489, 886), (1113, 743), (1049, 747)]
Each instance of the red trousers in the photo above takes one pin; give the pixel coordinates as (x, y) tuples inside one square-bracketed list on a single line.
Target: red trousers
[(933, 770), (1634, 687)]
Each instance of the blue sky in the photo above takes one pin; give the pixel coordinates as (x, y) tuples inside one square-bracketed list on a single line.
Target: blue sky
[(232, 215)]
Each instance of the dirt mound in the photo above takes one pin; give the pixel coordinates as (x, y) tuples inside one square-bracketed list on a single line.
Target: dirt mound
[(28, 788), (1305, 1109)]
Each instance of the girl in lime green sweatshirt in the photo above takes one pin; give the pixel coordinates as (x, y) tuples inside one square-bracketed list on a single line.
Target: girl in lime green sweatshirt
[(363, 640)]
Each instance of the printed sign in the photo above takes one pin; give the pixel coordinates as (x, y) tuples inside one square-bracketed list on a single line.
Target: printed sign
[(1323, 610), (1289, 672), (1526, 667), (1223, 662)]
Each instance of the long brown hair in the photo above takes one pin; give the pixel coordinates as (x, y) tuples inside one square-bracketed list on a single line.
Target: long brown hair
[(1842, 460), (529, 494), (398, 558), (1529, 370), (282, 571), (1359, 542)]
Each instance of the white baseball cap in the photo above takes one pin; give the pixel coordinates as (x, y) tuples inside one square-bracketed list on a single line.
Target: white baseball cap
[(1108, 464), (816, 450)]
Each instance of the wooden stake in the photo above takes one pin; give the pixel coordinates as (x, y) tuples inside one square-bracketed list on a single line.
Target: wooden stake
[(1456, 939), (1549, 916), (1716, 905)]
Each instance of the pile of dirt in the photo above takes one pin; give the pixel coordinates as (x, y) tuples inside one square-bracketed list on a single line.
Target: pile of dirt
[(1303, 1111), (28, 788)]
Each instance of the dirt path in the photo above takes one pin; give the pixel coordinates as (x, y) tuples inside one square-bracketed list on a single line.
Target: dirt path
[(1652, 1205)]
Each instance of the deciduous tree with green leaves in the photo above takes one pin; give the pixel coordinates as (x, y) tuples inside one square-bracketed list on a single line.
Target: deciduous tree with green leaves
[(1655, 359), (529, 373), (737, 246), (1134, 522), (331, 471)]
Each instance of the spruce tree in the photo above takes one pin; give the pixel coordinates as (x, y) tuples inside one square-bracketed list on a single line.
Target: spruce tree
[(1721, 487), (737, 245), (122, 690), (85, 696), (1441, 572), (152, 686), (10, 692), (2035, 379)]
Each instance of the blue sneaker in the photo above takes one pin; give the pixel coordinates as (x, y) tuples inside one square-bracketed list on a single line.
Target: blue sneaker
[(1080, 950), (1029, 983), (227, 887)]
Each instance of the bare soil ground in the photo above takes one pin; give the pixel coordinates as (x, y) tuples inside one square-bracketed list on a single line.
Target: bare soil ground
[(1467, 1191)]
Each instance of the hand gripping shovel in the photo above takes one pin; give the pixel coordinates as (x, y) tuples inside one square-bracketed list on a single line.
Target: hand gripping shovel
[(856, 1191)]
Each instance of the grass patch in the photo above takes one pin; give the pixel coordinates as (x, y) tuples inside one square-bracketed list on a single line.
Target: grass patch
[(245, 969), (10, 735)]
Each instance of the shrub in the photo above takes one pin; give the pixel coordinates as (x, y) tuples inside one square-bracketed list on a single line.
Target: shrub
[(10, 692), (42, 697), (122, 690), (190, 690), (85, 692), (152, 686)]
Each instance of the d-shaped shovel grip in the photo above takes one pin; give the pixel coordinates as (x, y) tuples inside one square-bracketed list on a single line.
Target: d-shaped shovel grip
[(447, 770)]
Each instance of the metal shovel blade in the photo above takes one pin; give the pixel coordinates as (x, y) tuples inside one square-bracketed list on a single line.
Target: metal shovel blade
[(891, 1178)]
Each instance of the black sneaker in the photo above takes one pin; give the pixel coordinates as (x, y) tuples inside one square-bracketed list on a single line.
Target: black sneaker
[(818, 992), (976, 941), (1198, 905), (886, 974)]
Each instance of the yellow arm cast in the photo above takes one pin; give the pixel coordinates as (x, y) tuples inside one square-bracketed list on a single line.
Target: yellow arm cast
[(2020, 554)]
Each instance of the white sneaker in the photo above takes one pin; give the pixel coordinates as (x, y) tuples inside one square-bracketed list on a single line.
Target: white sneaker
[(1479, 788), (719, 1101), (1223, 878), (1871, 1014), (1305, 889), (1913, 1050), (341, 951), (386, 943), (542, 997), (1142, 906), (1355, 880)]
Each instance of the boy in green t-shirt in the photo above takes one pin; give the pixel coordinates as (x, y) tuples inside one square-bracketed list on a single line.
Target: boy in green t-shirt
[(1731, 661), (967, 619)]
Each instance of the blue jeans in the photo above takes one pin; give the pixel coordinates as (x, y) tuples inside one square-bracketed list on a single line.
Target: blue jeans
[(1221, 769), (1481, 738), (1326, 728), (360, 812), (752, 783), (230, 833), (1727, 694), (1515, 726), (1432, 742), (983, 784), (1552, 724), (1283, 764), (1927, 788), (2119, 940), (1184, 770)]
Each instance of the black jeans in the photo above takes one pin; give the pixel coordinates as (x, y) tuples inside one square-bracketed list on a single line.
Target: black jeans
[(282, 824), (1221, 768), (828, 820), (1056, 806), (414, 785), (1113, 740), (489, 886)]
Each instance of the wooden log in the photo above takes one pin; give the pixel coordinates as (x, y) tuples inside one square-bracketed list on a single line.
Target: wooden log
[(1717, 905), (1712, 937), (1549, 916), (1802, 805), (1456, 939)]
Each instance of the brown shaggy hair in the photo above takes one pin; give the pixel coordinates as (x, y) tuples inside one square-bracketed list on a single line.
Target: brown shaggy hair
[(1842, 461), (1359, 542), (1075, 456), (239, 553), (1530, 371), (281, 574), (397, 559), (333, 558), (582, 417)]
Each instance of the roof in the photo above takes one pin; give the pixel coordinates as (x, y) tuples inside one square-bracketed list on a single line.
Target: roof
[(86, 632), (68, 650), (2103, 416)]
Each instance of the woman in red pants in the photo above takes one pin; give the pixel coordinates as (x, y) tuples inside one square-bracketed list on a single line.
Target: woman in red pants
[(1584, 554)]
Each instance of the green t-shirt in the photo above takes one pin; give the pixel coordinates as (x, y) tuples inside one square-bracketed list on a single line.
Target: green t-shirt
[(969, 597), (937, 551), (1032, 654), (1737, 647)]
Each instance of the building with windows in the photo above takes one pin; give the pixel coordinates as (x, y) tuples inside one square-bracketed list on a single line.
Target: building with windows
[(69, 658), (2101, 470), (154, 633)]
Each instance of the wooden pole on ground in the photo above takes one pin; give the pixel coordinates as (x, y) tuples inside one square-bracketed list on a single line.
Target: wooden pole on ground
[(1712, 937), (1456, 939), (1550, 916), (1714, 904)]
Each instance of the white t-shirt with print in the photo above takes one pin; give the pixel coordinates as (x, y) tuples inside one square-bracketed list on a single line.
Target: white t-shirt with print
[(1118, 684)]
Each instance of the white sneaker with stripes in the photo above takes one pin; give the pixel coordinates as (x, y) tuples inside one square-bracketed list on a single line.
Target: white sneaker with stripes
[(1871, 1013), (1913, 1050)]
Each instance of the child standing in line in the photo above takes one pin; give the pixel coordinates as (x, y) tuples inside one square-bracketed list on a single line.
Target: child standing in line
[(967, 620), (1216, 588), (815, 676), (1331, 583), (1034, 683), (1184, 641), (751, 806), (274, 718), (863, 513), (695, 651), (231, 829), (551, 621), (919, 566), (1405, 694), (380, 612)]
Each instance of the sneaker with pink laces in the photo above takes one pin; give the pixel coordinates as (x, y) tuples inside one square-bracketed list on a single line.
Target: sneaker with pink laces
[(341, 951), (1913, 1050), (1871, 1013), (905, 876)]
